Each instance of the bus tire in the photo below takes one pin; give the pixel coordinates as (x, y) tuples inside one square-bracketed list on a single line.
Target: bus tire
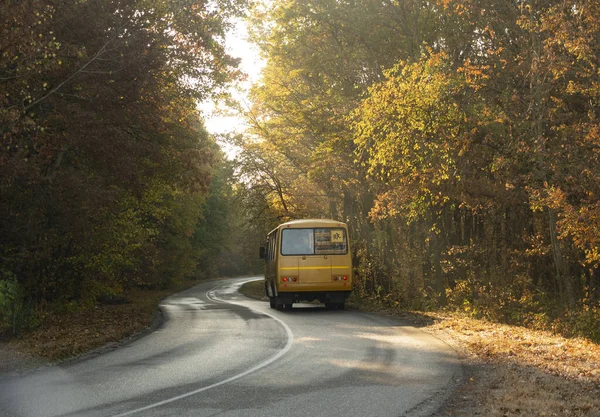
[(272, 302)]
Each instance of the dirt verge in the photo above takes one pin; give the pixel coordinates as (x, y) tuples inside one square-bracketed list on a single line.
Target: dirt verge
[(514, 371), (89, 331)]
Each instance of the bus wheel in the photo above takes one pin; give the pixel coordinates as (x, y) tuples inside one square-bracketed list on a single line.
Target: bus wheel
[(272, 302)]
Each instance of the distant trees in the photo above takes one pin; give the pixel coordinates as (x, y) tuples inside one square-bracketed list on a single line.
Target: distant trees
[(106, 172), (460, 139)]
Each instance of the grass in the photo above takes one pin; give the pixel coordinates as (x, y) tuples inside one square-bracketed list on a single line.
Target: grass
[(254, 289)]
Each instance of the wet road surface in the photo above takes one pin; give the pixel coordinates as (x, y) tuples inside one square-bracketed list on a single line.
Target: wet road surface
[(219, 353)]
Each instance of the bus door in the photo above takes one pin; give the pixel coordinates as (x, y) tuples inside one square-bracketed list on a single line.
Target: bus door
[(314, 269)]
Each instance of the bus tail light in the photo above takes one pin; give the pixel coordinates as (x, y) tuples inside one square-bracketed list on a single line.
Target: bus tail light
[(284, 279), (340, 277), (289, 279)]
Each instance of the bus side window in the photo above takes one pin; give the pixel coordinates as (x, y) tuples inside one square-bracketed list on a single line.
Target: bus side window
[(270, 248), (266, 249), (273, 246)]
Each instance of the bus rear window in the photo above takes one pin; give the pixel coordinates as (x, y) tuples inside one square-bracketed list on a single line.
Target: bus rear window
[(325, 241)]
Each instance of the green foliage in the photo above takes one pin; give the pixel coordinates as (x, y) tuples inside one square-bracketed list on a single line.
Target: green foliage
[(410, 129), (15, 314), (105, 168), (584, 322)]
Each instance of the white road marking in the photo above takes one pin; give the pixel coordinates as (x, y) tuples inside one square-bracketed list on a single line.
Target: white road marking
[(211, 295)]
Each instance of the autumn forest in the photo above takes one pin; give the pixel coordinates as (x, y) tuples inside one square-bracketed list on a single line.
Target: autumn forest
[(459, 140)]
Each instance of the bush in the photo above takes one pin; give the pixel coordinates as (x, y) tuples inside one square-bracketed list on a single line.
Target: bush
[(15, 314), (584, 322)]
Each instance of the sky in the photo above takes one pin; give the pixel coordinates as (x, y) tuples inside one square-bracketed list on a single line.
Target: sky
[(251, 64)]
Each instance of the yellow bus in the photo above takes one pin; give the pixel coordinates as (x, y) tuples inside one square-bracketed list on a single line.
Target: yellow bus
[(308, 260)]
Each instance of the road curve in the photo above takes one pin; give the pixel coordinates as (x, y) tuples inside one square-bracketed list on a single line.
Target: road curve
[(219, 353)]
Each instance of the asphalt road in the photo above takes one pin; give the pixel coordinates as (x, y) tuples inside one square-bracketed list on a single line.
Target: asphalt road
[(219, 353)]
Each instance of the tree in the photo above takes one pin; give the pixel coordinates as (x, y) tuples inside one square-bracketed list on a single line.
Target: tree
[(104, 164), (467, 169)]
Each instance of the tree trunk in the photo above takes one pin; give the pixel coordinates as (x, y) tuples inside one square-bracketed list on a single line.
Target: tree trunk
[(436, 257), (561, 267), (594, 285)]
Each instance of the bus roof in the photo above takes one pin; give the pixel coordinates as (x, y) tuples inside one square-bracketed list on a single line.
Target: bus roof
[(312, 223)]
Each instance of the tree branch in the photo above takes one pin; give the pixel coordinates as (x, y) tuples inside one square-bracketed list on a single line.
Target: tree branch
[(55, 89)]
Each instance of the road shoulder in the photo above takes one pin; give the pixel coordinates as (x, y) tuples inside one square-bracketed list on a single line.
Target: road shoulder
[(79, 334), (507, 370)]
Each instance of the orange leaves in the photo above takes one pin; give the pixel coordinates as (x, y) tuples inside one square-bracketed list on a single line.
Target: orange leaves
[(579, 224), (475, 75), (583, 227)]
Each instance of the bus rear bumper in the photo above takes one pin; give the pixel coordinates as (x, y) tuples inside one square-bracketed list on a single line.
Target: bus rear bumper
[(324, 297)]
